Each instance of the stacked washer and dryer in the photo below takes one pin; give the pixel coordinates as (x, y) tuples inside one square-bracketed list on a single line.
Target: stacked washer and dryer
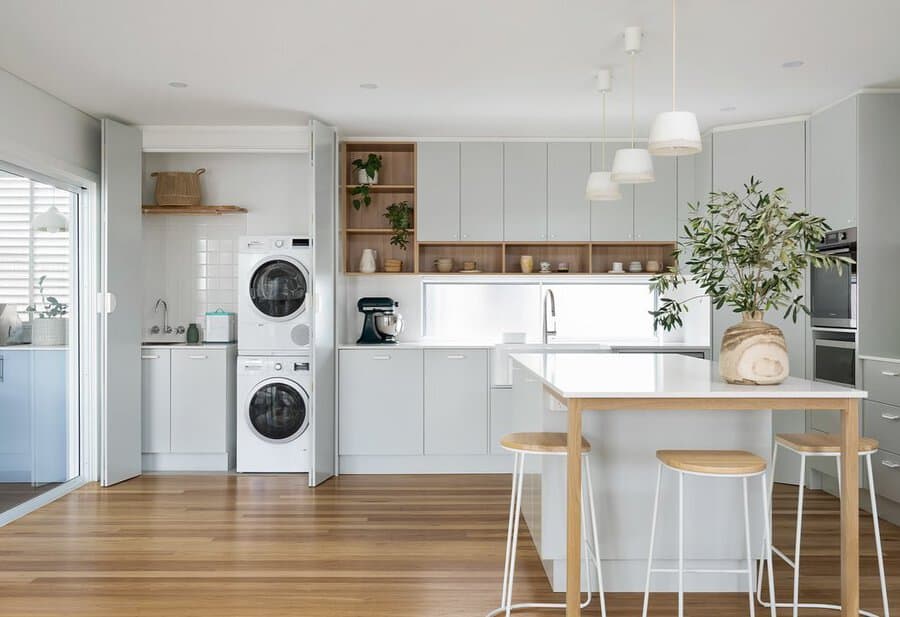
[(275, 335)]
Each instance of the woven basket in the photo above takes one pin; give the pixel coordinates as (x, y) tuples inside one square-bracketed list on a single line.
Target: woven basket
[(177, 188)]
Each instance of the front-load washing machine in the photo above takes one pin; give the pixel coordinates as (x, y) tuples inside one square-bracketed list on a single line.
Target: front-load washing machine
[(274, 414), (275, 295)]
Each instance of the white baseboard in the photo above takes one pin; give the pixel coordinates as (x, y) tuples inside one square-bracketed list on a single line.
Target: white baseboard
[(171, 461), (426, 464)]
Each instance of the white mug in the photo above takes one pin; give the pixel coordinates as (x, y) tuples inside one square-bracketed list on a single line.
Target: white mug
[(617, 266)]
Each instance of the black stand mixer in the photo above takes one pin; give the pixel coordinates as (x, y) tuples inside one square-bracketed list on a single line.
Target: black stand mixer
[(382, 323)]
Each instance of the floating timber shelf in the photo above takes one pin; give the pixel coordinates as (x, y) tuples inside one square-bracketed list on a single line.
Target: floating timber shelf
[(194, 210), (386, 188)]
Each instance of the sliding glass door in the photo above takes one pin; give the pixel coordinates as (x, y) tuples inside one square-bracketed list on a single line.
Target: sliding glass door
[(39, 309)]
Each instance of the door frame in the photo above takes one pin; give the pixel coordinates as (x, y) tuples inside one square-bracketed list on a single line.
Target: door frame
[(84, 372)]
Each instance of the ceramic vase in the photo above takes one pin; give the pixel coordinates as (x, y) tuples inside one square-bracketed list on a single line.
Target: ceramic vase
[(753, 352), (367, 261), (49, 330)]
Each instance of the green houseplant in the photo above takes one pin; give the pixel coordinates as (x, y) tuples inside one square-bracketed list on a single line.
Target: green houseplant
[(748, 252), (367, 174), (50, 325), (399, 214)]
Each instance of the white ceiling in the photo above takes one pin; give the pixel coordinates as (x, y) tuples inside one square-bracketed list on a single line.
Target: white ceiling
[(445, 68)]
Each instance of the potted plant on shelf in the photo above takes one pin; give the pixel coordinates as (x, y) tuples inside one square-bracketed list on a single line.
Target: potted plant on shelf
[(50, 325), (367, 175), (748, 252), (399, 214)]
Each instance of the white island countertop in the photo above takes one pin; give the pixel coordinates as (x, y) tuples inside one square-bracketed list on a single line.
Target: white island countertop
[(664, 376)]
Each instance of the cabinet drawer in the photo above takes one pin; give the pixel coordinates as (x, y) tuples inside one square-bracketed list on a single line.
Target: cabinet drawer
[(886, 470), (199, 401), (883, 423), (381, 400), (882, 380), (456, 400)]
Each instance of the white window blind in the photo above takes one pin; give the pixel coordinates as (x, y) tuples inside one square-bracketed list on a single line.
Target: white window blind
[(25, 254)]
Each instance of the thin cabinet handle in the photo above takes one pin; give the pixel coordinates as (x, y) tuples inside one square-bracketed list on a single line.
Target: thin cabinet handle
[(384, 357), (456, 356), (890, 416), (197, 357), (890, 464), (149, 357), (890, 373), (1, 369)]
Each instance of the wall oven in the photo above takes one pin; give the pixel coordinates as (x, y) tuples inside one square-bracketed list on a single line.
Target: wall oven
[(833, 292), (834, 360)]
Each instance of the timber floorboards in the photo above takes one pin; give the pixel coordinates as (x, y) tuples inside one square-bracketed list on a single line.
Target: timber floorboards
[(374, 546)]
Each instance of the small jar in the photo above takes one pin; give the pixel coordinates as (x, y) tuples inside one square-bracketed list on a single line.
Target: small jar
[(193, 334)]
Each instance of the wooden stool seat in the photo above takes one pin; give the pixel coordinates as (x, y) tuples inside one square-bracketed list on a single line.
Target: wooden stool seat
[(821, 443), (547, 443), (713, 462)]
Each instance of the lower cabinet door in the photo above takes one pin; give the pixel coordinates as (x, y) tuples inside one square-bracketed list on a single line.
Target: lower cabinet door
[(456, 401), (380, 401), (199, 400), (156, 408)]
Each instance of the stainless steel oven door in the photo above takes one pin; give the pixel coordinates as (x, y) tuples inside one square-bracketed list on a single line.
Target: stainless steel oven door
[(835, 361), (833, 303)]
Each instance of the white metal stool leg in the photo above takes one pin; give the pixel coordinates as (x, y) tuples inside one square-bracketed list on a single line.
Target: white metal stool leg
[(750, 585), (768, 514), (680, 544), (767, 538), (595, 542), (795, 562), (509, 529), (652, 539), (520, 474)]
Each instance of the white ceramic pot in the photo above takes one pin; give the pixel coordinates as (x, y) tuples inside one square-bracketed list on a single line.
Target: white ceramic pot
[(49, 331), (363, 178), (367, 261)]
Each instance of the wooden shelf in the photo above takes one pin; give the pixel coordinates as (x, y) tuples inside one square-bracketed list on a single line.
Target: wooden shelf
[(372, 230), (385, 188), (193, 210)]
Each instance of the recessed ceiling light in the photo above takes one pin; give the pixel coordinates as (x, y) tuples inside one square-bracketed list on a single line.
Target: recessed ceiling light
[(728, 108), (368, 86), (177, 84), (792, 64)]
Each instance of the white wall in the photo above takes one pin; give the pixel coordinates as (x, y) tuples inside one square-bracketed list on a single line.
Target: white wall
[(190, 261), (37, 126)]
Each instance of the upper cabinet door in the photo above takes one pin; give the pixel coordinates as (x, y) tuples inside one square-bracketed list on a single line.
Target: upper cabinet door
[(437, 191), (525, 191), (121, 276), (481, 191), (569, 213), (611, 221), (833, 138), (655, 203)]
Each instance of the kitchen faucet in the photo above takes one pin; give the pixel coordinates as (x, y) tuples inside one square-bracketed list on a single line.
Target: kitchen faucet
[(167, 329), (549, 330)]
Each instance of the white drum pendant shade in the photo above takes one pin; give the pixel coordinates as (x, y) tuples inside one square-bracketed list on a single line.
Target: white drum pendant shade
[(632, 166), (675, 133), (51, 221), (600, 187)]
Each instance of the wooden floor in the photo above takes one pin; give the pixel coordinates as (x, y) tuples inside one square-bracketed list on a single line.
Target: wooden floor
[(358, 546)]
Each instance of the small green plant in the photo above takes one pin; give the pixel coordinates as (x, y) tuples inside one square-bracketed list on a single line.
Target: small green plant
[(52, 306), (749, 252), (361, 192), (400, 216)]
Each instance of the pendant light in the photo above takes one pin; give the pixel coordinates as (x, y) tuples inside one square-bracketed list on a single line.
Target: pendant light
[(632, 165), (674, 133), (50, 220), (600, 186)]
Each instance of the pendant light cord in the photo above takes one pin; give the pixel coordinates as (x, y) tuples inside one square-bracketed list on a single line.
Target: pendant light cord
[(673, 55), (632, 100), (603, 129)]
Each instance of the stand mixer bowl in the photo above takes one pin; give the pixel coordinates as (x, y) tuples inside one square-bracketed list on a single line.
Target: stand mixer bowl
[(389, 324)]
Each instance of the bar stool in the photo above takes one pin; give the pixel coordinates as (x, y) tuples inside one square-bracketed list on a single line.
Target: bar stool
[(709, 463), (544, 444), (827, 445)]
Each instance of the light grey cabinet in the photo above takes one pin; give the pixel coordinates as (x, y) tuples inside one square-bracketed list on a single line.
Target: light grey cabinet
[(655, 207), (200, 399), (833, 152), (381, 401), (437, 191), (569, 214), (502, 418), (524, 191), (456, 401), (481, 191), (156, 400), (611, 221)]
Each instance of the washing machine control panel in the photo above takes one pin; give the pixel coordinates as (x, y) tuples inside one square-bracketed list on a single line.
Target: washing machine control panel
[(277, 366)]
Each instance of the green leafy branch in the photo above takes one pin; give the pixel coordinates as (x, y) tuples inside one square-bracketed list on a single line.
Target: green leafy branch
[(52, 306), (400, 217)]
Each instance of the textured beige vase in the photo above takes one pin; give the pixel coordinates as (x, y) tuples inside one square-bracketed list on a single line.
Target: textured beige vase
[(753, 352)]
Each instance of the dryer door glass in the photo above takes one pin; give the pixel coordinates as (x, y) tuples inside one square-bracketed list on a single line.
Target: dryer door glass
[(278, 412), (278, 288)]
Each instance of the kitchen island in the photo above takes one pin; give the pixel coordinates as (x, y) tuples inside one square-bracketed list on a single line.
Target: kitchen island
[(607, 383)]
